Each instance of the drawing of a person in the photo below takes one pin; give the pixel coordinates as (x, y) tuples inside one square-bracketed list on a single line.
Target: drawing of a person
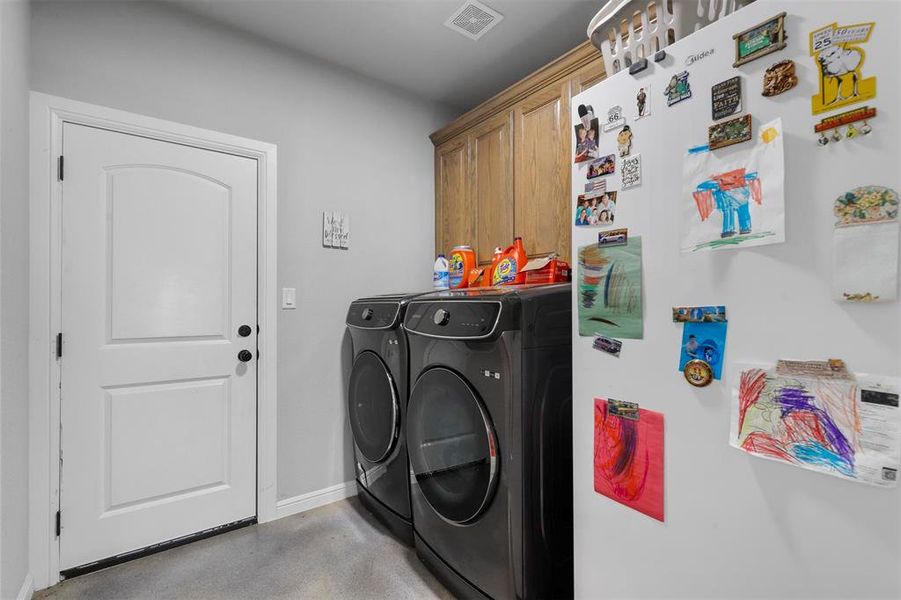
[(731, 193)]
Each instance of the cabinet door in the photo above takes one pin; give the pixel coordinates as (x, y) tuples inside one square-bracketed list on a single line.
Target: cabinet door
[(587, 76), (491, 177), (541, 161), (454, 212)]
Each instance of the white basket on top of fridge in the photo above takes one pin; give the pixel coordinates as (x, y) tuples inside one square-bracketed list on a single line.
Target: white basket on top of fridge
[(628, 30)]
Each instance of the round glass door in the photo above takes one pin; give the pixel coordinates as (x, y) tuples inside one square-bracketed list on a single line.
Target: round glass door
[(373, 407), (452, 446)]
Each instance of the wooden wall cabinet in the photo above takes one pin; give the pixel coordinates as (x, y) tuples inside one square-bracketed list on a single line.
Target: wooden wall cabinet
[(503, 168)]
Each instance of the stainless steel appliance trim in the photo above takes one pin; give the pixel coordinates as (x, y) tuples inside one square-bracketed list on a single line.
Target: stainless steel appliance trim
[(457, 337), (393, 324), (395, 410)]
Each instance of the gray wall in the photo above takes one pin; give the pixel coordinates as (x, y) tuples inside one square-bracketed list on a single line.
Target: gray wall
[(344, 143), (14, 31)]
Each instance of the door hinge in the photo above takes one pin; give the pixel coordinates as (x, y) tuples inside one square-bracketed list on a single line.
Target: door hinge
[(60, 173), (59, 345), (59, 523), (258, 354)]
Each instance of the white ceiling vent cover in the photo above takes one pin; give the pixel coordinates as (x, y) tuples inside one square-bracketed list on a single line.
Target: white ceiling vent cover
[(473, 19)]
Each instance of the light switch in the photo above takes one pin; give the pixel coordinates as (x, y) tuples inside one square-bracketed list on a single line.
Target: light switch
[(289, 298)]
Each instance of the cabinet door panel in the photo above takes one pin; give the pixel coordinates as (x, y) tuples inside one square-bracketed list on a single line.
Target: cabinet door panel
[(491, 157), (587, 76), (454, 214), (542, 154)]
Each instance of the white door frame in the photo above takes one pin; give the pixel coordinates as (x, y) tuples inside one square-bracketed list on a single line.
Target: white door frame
[(48, 113)]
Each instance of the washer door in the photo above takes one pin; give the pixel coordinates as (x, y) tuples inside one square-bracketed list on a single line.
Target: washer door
[(452, 446), (373, 407)]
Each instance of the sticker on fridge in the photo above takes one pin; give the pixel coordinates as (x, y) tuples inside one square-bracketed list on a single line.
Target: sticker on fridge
[(737, 200), (839, 57), (609, 290)]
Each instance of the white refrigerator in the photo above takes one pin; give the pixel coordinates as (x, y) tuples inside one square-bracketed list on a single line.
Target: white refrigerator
[(736, 526)]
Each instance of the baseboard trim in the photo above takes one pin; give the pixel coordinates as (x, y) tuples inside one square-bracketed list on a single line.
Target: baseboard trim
[(27, 589), (311, 500)]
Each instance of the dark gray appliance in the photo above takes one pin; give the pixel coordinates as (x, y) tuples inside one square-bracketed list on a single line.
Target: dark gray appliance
[(377, 390), (489, 437)]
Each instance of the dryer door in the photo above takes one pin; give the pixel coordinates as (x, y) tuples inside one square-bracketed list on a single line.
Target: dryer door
[(373, 407), (452, 446)]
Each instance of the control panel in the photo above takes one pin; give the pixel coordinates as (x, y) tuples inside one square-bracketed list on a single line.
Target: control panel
[(372, 315), (458, 320)]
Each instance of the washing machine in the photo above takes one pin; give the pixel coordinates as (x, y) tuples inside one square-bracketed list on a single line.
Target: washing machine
[(489, 437), (377, 387)]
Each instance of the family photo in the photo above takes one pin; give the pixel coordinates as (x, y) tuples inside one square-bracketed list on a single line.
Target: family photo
[(595, 211)]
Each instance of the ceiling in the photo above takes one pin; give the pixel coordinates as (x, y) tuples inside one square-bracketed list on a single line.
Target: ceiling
[(404, 42)]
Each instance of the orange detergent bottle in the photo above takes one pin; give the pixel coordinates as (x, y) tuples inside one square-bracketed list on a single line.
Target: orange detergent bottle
[(462, 261), (508, 269), (489, 270)]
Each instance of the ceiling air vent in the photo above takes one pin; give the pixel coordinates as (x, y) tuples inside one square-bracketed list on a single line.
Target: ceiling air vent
[(473, 19)]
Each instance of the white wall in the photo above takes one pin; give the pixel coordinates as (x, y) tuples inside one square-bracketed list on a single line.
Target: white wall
[(344, 143), (14, 30)]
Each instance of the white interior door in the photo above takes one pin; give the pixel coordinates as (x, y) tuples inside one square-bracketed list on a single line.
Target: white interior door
[(158, 274)]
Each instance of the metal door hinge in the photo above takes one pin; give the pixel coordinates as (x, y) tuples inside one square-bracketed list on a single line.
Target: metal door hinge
[(59, 345), (59, 523), (60, 173)]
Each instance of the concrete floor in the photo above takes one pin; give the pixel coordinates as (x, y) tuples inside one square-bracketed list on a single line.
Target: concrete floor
[(336, 551)]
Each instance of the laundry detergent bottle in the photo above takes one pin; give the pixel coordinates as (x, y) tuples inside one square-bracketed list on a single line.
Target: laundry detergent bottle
[(462, 261), (440, 275), (508, 269)]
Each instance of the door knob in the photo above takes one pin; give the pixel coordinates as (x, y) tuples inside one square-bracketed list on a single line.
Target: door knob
[(245, 355), (244, 330)]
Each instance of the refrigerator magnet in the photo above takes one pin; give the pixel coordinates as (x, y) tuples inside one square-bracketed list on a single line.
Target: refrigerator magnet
[(779, 78), (839, 57), (678, 89), (624, 141), (698, 373), (615, 118), (727, 133), (643, 102), (760, 40)]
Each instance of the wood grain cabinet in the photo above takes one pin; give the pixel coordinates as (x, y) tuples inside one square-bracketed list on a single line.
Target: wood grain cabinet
[(453, 209), (503, 168)]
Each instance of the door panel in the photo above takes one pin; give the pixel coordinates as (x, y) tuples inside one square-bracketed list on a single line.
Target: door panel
[(455, 218), (542, 155), (373, 407), (452, 446), (149, 299), (158, 272), (491, 151), (587, 76)]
